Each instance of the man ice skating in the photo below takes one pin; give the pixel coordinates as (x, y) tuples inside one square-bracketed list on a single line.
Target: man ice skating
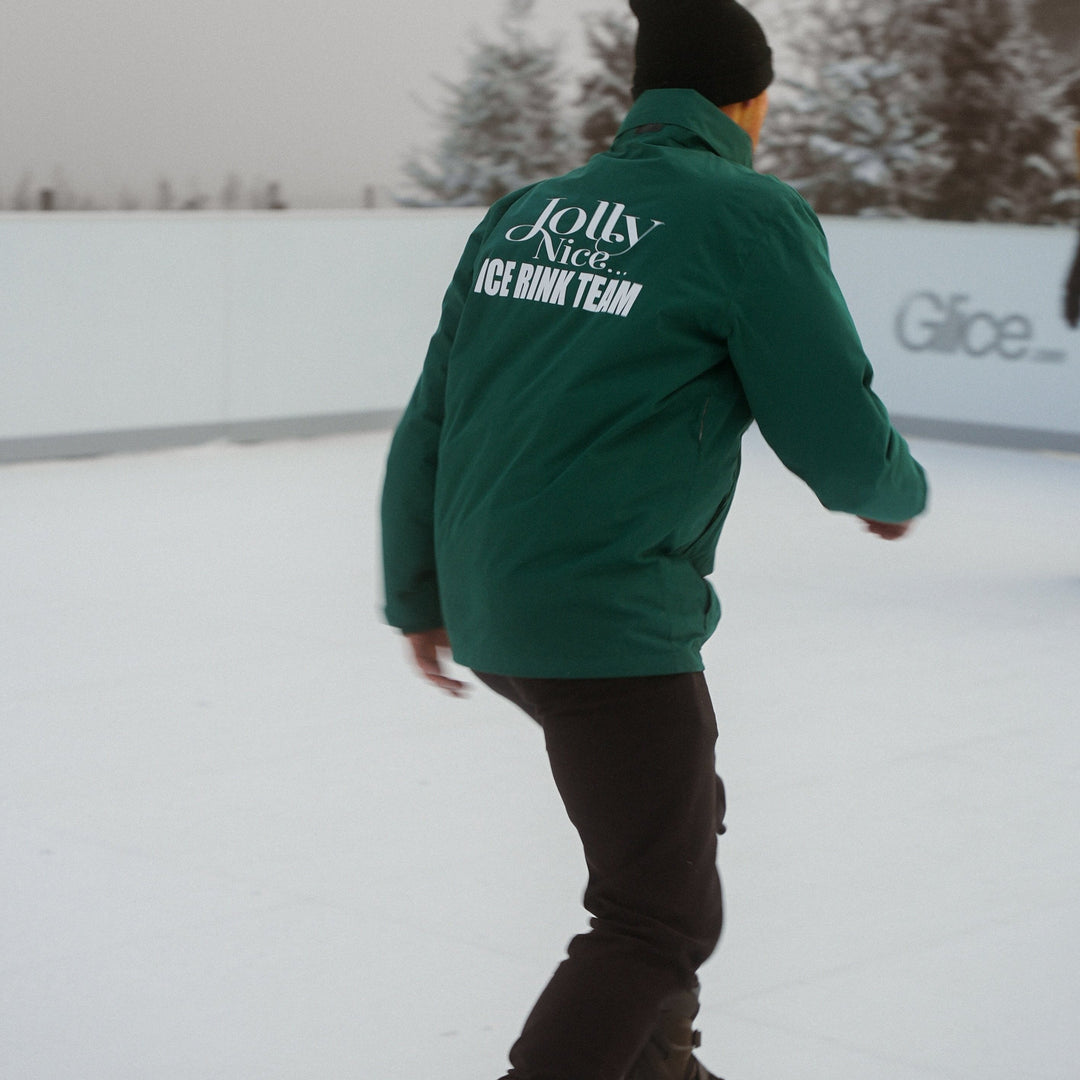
[(1072, 291), (556, 488), (1072, 282)]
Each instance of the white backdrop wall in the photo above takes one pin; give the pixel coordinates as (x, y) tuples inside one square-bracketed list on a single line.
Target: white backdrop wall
[(133, 330), (130, 330), (964, 325)]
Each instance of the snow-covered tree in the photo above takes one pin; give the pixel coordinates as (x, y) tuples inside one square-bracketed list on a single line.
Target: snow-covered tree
[(165, 197), (852, 134), (232, 192), (23, 197), (937, 108), (604, 93), (503, 126), (1003, 115)]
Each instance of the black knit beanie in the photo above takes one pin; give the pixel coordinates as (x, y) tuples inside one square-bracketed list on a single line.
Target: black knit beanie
[(715, 47)]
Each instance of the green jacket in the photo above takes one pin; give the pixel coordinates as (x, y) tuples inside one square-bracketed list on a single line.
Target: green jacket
[(557, 485)]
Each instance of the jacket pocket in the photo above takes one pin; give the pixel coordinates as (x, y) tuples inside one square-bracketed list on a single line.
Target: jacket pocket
[(709, 533)]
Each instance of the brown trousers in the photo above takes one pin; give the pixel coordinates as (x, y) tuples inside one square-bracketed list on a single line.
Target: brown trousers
[(634, 762)]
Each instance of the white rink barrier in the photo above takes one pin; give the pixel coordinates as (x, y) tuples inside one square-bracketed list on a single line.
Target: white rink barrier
[(129, 331), (964, 325)]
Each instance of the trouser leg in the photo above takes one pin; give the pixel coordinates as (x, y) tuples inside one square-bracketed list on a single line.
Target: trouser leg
[(634, 762)]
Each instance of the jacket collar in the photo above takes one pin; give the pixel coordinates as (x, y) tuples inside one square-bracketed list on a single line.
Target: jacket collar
[(688, 110)]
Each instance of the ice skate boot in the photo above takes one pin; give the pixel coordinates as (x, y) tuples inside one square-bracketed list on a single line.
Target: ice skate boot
[(669, 1053)]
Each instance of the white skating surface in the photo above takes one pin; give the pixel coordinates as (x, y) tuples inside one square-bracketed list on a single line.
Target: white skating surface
[(240, 840)]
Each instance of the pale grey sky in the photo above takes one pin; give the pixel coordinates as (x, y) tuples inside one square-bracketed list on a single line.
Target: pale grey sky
[(317, 94)]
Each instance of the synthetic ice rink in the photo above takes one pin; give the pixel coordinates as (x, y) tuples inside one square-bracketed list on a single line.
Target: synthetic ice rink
[(240, 840)]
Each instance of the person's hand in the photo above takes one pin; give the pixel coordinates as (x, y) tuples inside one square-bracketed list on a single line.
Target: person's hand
[(429, 647), (887, 530)]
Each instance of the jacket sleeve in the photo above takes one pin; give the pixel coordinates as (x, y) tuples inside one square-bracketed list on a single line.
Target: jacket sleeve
[(408, 495), (807, 378)]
